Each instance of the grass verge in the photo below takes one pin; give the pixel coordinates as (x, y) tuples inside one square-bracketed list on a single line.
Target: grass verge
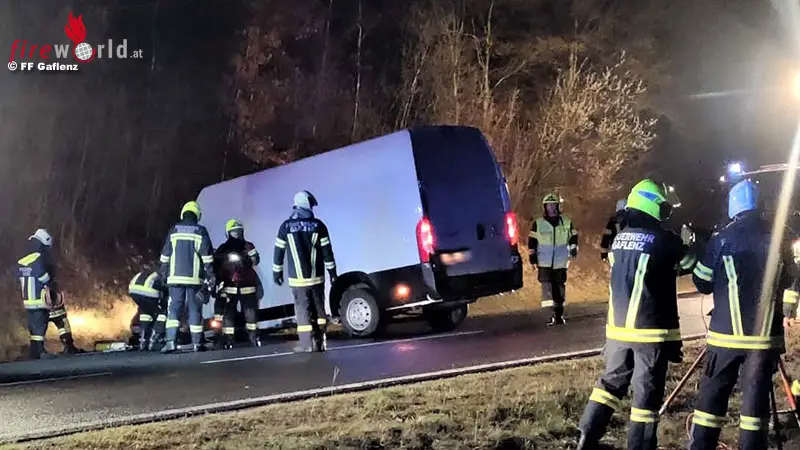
[(535, 407)]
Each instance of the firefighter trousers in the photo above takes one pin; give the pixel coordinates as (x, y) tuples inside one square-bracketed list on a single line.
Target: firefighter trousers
[(312, 323), (184, 297), (642, 366), (152, 317), (554, 296), (249, 304), (721, 374), (38, 321)]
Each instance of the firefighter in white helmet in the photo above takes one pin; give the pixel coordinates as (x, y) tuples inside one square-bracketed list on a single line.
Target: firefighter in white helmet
[(43, 301), (306, 237)]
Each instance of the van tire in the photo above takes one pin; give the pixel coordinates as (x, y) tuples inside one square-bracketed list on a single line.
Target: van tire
[(443, 320), (359, 312)]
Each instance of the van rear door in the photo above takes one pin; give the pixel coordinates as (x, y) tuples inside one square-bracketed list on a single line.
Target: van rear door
[(465, 198)]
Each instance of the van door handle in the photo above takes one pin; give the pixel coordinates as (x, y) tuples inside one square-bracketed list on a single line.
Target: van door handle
[(480, 231)]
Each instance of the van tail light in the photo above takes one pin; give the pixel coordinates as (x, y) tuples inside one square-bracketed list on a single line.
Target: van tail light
[(512, 230), (425, 239)]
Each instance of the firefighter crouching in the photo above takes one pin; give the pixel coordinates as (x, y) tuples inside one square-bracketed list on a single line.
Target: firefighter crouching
[(552, 242), (233, 266), (732, 268), (186, 260), (43, 301), (643, 332), (615, 224), (149, 293), (310, 253)]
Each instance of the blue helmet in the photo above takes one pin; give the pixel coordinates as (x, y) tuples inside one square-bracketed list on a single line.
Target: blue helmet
[(742, 197)]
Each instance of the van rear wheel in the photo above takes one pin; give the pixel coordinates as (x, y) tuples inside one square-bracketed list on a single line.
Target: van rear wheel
[(442, 320), (359, 312)]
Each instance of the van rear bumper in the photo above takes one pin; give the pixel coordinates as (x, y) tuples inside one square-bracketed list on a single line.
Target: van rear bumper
[(485, 284)]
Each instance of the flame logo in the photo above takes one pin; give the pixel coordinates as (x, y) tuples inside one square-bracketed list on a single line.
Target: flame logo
[(75, 30)]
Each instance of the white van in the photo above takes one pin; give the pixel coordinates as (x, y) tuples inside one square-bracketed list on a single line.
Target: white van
[(420, 223)]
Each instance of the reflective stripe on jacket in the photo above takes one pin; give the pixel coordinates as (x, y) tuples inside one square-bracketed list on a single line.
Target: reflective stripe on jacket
[(310, 251), (187, 254), (551, 247), (733, 269), (34, 277), (645, 262), (147, 284)]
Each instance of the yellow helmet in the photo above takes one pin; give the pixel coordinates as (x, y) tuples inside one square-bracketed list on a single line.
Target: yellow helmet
[(191, 207), (233, 224), (551, 198)]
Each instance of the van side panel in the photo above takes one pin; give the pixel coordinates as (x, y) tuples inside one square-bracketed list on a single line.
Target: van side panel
[(368, 197)]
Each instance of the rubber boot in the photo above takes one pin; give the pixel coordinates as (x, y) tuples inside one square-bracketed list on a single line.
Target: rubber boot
[(36, 350), (169, 347), (254, 340), (155, 339), (69, 345), (227, 341), (585, 444)]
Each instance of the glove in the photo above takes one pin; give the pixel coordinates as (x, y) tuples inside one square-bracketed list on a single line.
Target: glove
[(573, 254), (604, 256), (277, 278), (334, 277)]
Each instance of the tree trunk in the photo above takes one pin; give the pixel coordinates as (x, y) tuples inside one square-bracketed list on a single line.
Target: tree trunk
[(358, 74)]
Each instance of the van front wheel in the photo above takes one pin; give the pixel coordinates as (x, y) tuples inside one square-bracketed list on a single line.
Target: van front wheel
[(359, 312), (442, 320)]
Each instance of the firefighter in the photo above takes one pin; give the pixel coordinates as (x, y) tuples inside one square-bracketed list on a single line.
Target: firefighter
[(186, 261), (43, 301), (552, 242), (234, 263), (306, 236), (150, 294), (732, 268), (643, 332), (615, 224)]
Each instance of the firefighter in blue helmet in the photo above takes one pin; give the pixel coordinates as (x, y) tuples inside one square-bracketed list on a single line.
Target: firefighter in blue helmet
[(186, 260), (614, 225), (234, 267), (552, 242), (739, 337), (643, 331), (43, 300), (149, 293), (306, 237)]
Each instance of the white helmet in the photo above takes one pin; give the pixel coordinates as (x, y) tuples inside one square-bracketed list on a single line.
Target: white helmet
[(621, 204), (42, 236), (305, 199)]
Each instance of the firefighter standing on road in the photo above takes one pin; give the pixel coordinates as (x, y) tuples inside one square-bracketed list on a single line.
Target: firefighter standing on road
[(552, 242), (733, 269), (615, 224), (310, 253), (41, 297), (233, 266), (150, 294), (186, 260), (643, 332)]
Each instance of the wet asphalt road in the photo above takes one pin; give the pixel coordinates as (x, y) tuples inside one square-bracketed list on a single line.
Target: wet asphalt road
[(39, 397)]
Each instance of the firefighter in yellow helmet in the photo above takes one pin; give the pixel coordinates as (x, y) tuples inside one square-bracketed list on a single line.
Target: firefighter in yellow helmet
[(234, 263), (552, 242), (643, 331), (186, 261)]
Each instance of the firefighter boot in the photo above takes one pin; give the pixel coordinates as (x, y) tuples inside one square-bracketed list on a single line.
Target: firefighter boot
[(227, 341), (144, 342), (155, 339), (169, 347), (586, 444), (36, 350), (199, 347), (556, 321), (254, 340), (69, 345)]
